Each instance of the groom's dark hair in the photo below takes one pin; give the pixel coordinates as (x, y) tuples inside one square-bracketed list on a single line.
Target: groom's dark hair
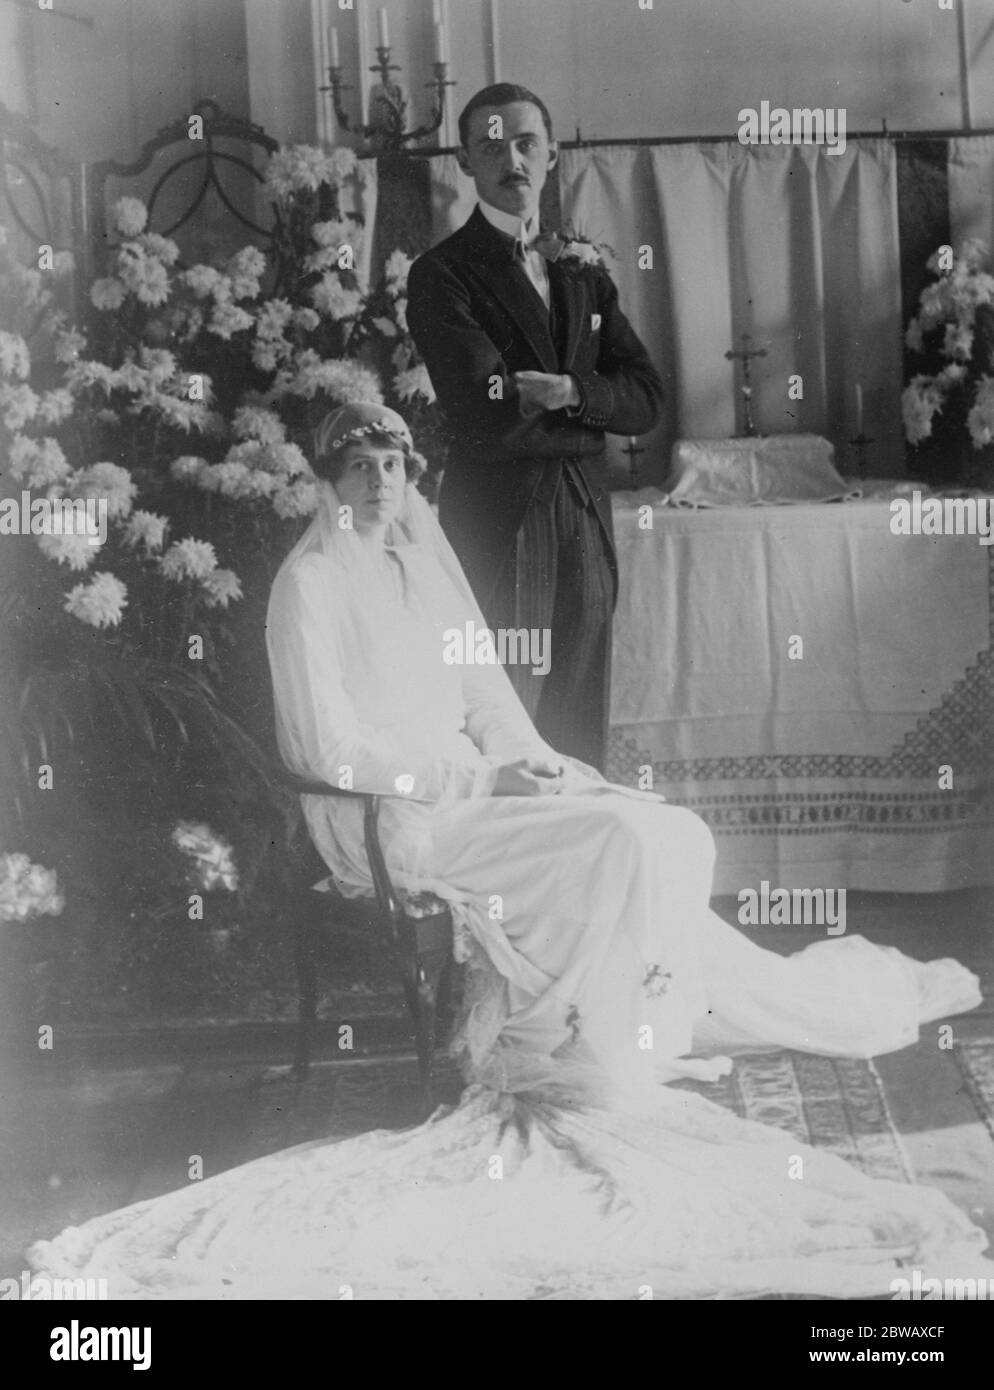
[(501, 94)]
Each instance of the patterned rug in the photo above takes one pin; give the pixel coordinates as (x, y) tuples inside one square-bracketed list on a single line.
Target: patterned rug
[(829, 1103), (976, 1062)]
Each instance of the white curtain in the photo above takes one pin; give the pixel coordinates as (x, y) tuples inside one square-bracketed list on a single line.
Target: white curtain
[(792, 245), (453, 197), (971, 189)]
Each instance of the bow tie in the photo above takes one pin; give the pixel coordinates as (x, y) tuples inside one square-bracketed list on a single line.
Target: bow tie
[(547, 244)]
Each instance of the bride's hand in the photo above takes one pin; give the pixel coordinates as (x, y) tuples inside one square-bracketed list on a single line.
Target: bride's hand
[(529, 777)]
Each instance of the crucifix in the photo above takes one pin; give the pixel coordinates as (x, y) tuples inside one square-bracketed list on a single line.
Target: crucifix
[(745, 354), (632, 450), (861, 443)]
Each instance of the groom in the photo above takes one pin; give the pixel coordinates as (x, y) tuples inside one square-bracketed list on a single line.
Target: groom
[(532, 361)]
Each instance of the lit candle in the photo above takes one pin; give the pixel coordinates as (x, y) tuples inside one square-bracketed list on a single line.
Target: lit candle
[(441, 44), (334, 57), (859, 409), (384, 29)]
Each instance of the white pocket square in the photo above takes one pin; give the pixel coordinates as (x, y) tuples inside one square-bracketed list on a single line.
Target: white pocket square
[(595, 322)]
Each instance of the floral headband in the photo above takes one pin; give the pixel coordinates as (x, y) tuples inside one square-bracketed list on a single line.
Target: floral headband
[(353, 422)]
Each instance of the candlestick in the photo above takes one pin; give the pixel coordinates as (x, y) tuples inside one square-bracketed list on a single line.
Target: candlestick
[(334, 57), (384, 29), (859, 408)]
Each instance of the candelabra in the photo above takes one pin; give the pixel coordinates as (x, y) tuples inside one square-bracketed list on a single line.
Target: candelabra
[(389, 104)]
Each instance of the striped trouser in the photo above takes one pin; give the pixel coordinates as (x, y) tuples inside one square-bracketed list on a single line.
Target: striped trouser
[(558, 578)]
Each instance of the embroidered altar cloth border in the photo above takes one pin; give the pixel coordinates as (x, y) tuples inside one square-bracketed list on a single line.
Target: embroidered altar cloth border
[(822, 768)]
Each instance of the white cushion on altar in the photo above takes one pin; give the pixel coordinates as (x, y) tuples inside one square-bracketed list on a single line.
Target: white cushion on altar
[(743, 472)]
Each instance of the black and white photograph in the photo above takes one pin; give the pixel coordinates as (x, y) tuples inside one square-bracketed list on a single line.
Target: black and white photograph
[(497, 659)]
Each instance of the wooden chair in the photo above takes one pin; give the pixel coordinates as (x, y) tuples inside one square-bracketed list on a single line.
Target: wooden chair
[(417, 929)]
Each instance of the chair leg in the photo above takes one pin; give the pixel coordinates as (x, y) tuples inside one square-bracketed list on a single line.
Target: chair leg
[(307, 989), (430, 968)]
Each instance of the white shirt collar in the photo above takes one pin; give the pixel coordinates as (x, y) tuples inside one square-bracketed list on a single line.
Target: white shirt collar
[(510, 224)]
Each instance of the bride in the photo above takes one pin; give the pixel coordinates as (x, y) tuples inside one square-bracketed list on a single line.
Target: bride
[(595, 974)]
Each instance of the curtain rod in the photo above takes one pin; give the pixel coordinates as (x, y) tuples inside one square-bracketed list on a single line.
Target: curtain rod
[(906, 136)]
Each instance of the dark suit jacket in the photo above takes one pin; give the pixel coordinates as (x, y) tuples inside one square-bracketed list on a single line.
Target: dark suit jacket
[(475, 316)]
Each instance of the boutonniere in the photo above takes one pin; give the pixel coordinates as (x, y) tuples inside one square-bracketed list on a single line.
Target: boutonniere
[(571, 250)]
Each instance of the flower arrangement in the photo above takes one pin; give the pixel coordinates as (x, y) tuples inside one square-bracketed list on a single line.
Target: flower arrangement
[(955, 326), (212, 864), (27, 890), (183, 408)]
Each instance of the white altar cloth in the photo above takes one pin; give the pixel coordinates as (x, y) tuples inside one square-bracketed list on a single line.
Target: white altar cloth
[(770, 468), (822, 771)]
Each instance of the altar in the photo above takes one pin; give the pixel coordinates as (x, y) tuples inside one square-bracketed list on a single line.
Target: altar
[(819, 689)]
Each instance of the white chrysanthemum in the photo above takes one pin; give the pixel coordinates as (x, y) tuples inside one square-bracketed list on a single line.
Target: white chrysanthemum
[(101, 602), (27, 890), (400, 312), (72, 548), (342, 161), (145, 276), (346, 382), (265, 356), (331, 297), (244, 270), (37, 462), (980, 421), (227, 319), (88, 372), (301, 169), (213, 859), (415, 381), (129, 216), (396, 271), (255, 422), (958, 342), (189, 559), (68, 345), (221, 588), (385, 326), (306, 319), (238, 480), (15, 359), (18, 405), (108, 482), (160, 247), (913, 336), (107, 293), (160, 365), (401, 356), (273, 317), (187, 469), (204, 280), (181, 412), (299, 498), (55, 406), (330, 234), (147, 529), (920, 400)]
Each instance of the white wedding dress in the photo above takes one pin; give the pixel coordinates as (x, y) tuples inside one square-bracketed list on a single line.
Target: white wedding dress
[(595, 973)]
